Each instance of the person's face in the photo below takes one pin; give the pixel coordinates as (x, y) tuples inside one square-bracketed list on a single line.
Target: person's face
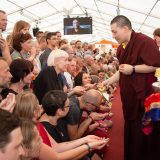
[(25, 30), (157, 40), (101, 75), (90, 61), (75, 24), (62, 64), (13, 150), (53, 41), (86, 79), (85, 47), (28, 78), (72, 67), (5, 75), (65, 111), (3, 21), (91, 106), (71, 52), (27, 45), (119, 33), (72, 43), (39, 36), (43, 45), (59, 36), (78, 45)]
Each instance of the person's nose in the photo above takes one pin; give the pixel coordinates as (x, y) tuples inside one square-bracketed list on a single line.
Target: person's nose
[(113, 35), (10, 75)]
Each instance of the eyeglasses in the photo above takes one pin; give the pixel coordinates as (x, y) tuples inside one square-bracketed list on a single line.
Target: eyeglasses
[(66, 106)]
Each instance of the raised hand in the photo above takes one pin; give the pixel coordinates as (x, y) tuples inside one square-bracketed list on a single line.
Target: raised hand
[(8, 103)]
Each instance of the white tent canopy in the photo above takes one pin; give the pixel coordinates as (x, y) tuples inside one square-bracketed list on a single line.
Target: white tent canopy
[(48, 14)]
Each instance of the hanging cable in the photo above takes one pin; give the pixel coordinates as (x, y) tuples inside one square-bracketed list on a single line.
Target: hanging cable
[(118, 9)]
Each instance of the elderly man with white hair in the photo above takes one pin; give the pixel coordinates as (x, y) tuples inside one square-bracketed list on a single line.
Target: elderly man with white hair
[(50, 78)]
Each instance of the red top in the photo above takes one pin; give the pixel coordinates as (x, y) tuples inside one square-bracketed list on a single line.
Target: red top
[(43, 134)]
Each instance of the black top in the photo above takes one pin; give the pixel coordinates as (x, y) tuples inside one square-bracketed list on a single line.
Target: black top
[(58, 133), (44, 57), (47, 80), (5, 92)]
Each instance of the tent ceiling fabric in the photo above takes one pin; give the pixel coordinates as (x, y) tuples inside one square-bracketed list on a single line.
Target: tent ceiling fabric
[(49, 14)]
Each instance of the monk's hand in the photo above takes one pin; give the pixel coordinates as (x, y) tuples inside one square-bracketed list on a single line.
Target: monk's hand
[(107, 82), (126, 69)]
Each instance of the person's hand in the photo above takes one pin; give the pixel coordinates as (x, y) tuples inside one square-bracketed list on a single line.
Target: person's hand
[(8, 103), (107, 82), (97, 116), (98, 144), (3, 43), (91, 138), (79, 90), (126, 69), (90, 86)]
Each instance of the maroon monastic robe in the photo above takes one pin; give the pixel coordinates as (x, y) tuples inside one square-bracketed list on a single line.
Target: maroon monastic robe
[(134, 88), (140, 50)]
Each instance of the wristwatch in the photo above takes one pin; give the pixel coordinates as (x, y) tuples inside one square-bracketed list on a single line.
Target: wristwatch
[(133, 71)]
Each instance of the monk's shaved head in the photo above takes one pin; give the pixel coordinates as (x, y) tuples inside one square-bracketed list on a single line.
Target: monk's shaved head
[(122, 21), (92, 96)]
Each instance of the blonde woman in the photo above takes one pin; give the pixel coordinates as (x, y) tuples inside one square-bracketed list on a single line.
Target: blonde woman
[(20, 27)]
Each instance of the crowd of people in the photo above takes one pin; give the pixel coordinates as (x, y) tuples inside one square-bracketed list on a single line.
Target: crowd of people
[(56, 96), (52, 96)]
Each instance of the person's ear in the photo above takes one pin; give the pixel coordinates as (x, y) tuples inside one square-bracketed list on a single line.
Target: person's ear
[(59, 111), (126, 29)]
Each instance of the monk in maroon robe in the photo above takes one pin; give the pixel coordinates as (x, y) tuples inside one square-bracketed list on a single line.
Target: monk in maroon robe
[(138, 56)]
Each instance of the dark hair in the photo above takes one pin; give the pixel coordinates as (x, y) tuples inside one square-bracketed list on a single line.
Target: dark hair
[(77, 41), (20, 68), (78, 79), (53, 100), (157, 32), (9, 122), (20, 38), (1, 11), (49, 35), (122, 21), (100, 70), (39, 32), (58, 32)]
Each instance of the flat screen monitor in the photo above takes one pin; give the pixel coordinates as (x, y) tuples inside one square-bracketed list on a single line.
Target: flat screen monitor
[(82, 25)]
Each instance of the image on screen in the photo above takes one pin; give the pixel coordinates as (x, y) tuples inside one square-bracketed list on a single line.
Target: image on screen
[(81, 25)]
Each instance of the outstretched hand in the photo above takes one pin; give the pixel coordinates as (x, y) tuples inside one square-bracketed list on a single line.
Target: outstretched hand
[(99, 144), (91, 138)]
